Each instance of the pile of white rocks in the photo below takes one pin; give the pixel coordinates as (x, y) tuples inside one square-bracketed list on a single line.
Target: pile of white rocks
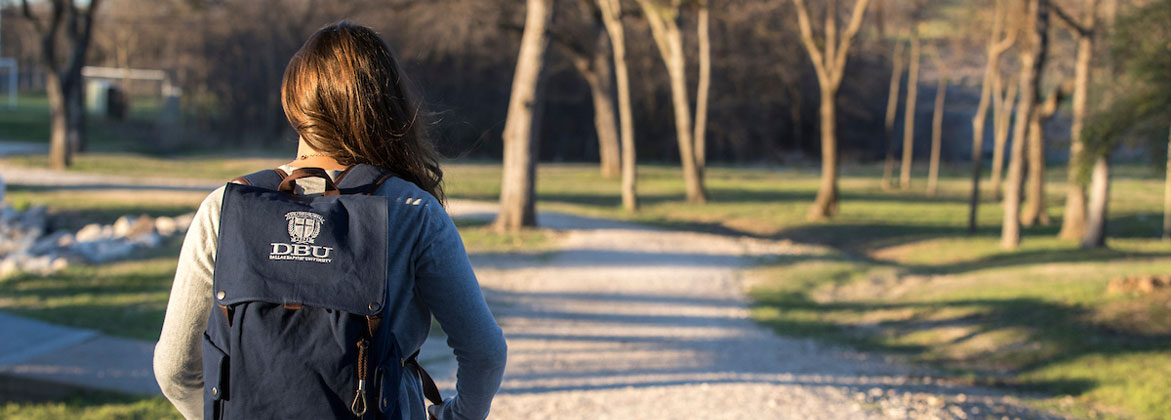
[(27, 247)]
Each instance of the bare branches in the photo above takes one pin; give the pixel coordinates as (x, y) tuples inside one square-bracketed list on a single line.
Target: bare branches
[(1073, 24), (807, 39), (80, 36), (999, 45), (830, 63)]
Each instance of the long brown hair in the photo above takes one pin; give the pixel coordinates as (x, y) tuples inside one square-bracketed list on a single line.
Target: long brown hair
[(347, 97)]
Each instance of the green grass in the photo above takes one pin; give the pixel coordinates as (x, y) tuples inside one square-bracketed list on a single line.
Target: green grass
[(901, 277), (29, 122), (215, 168), (126, 298), (906, 279), (98, 407), (478, 237)]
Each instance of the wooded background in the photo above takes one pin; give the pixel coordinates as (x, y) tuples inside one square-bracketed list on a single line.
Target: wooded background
[(228, 57)]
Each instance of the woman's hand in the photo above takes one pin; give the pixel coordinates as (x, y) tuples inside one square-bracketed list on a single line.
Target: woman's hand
[(435, 411)]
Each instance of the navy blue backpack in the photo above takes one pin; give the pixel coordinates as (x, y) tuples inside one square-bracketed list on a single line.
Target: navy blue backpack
[(300, 290)]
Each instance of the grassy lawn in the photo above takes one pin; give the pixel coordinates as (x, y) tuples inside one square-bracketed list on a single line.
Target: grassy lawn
[(95, 407), (135, 165), (903, 277), (29, 122)]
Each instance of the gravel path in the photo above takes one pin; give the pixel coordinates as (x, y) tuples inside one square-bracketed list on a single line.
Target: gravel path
[(627, 322)]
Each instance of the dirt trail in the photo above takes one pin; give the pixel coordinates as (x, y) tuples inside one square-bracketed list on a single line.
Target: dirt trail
[(627, 322)]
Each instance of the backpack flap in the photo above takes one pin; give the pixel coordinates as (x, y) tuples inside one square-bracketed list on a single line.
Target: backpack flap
[(326, 251)]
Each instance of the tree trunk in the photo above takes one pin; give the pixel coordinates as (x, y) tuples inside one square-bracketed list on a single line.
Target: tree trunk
[(1167, 194), (1002, 110), (829, 60), (989, 89), (1073, 222), (60, 156), (826, 204), (1095, 234), (75, 104), (611, 17), (936, 135), (1032, 62), (598, 77), (66, 108), (701, 92), (892, 109), (909, 114), (1034, 209), (517, 207), (1035, 204), (669, 40)]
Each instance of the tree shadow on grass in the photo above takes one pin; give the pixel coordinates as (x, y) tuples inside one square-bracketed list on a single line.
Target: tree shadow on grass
[(1054, 333), (89, 297)]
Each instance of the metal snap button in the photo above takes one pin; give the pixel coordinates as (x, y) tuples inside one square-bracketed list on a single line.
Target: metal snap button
[(221, 295), (215, 392), (374, 306)]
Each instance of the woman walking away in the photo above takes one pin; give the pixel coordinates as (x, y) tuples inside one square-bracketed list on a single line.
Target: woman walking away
[(306, 291)]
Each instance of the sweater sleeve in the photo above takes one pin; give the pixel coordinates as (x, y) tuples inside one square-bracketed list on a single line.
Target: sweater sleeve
[(448, 286), (177, 359)]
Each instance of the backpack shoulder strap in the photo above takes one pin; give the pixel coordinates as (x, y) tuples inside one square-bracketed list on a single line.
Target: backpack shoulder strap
[(268, 178), (357, 179), (362, 179)]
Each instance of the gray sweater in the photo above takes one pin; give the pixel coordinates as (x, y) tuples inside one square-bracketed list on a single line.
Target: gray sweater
[(445, 287)]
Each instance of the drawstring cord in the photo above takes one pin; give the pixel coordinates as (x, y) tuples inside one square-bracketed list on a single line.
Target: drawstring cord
[(359, 404)]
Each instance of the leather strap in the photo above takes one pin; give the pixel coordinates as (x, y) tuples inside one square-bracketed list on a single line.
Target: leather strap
[(268, 178), (429, 389), (372, 323), (288, 184)]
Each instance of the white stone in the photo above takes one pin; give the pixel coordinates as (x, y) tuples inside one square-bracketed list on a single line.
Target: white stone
[(66, 240), (47, 243), (60, 263), (166, 226), (183, 222), (8, 268), (122, 226), (89, 233), (148, 239)]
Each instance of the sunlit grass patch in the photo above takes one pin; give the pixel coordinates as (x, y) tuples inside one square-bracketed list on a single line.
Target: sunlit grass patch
[(211, 167), (98, 407), (126, 298)]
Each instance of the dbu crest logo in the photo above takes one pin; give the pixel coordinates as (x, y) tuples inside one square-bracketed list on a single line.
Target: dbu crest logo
[(303, 230), (304, 226)]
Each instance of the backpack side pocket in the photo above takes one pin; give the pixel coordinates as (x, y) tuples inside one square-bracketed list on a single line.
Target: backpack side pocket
[(215, 380)]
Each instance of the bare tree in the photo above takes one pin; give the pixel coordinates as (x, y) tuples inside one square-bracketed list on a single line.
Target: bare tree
[(64, 81), (517, 201), (830, 65), (601, 80), (1034, 212), (663, 17), (1073, 222), (593, 63), (892, 109), (1095, 234), (997, 45), (612, 19), (1032, 58), (909, 113), (937, 123), (1002, 107), (1167, 194), (705, 83)]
